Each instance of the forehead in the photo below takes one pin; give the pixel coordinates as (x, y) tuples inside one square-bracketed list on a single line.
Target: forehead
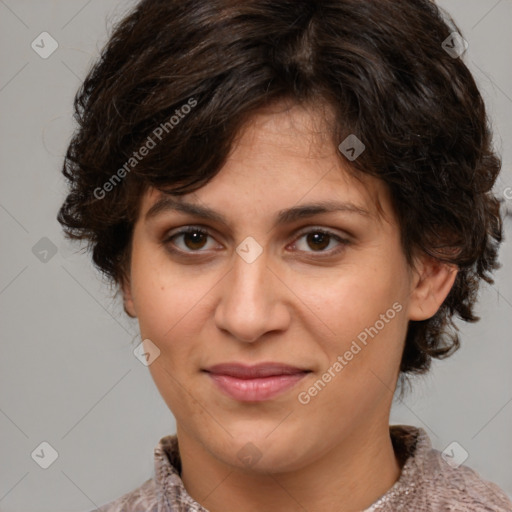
[(285, 155), (295, 130)]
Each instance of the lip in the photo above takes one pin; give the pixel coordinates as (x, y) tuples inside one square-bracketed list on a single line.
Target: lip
[(255, 383)]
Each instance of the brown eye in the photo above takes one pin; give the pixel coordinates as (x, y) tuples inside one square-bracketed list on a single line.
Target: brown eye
[(193, 239), (317, 240)]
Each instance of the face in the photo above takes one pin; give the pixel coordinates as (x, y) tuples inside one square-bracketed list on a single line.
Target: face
[(327, 293)]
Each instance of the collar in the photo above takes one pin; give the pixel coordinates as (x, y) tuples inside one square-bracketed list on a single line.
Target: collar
[(411, 444)]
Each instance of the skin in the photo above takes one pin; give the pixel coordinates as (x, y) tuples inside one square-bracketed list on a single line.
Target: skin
[(298, 303)]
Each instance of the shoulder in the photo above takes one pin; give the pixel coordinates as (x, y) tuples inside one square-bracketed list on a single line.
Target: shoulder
[(164, 492), (450, 487), (144, 498), (432, 481)]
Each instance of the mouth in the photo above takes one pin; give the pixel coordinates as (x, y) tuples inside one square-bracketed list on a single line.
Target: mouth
[(255, 383)]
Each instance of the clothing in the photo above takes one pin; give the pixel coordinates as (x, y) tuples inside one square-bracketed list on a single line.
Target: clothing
[(427, 482)]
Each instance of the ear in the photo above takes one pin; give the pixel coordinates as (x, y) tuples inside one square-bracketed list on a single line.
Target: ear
[(128, 304), (432, 283)]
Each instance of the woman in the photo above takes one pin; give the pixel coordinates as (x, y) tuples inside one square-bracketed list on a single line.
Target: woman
[(294, 198)]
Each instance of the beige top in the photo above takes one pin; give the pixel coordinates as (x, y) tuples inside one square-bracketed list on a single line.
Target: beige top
[(427, 482)]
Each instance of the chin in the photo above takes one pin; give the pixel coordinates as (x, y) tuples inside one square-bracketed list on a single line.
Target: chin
[(262, 453)]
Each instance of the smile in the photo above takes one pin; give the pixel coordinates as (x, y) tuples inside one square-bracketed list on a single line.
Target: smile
[(256, 383)]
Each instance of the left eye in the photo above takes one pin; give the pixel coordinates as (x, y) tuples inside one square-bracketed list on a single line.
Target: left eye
[(320, 239), (194, 239)]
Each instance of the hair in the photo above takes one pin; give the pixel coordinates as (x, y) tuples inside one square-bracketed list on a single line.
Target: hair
[(188, 74)]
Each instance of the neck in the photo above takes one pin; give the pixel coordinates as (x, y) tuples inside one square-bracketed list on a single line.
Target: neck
[(349, 477)]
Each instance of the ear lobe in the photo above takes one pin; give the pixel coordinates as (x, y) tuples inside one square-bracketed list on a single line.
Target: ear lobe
[(128, 304), (433, 284)]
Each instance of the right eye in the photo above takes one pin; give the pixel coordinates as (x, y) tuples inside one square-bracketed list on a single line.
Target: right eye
[(193, 240)]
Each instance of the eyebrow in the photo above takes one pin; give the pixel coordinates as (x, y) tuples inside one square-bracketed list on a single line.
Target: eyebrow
[(286, 216)]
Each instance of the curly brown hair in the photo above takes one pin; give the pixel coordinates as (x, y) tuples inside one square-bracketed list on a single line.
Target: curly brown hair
[(380, 66)]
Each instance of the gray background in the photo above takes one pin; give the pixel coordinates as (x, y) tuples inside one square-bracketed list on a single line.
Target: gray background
[(68, 375)]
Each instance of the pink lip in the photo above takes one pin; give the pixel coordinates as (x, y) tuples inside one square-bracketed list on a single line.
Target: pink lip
[(255, 383)]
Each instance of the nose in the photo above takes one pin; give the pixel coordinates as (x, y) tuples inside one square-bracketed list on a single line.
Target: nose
[(252, 301)]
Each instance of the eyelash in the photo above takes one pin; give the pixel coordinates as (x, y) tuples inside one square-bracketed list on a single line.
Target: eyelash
[(197, 229)]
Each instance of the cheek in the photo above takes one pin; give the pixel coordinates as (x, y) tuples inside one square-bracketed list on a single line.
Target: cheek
[(360, 316), (172, 310), (362, 359), (346, 303), (162, 292)]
